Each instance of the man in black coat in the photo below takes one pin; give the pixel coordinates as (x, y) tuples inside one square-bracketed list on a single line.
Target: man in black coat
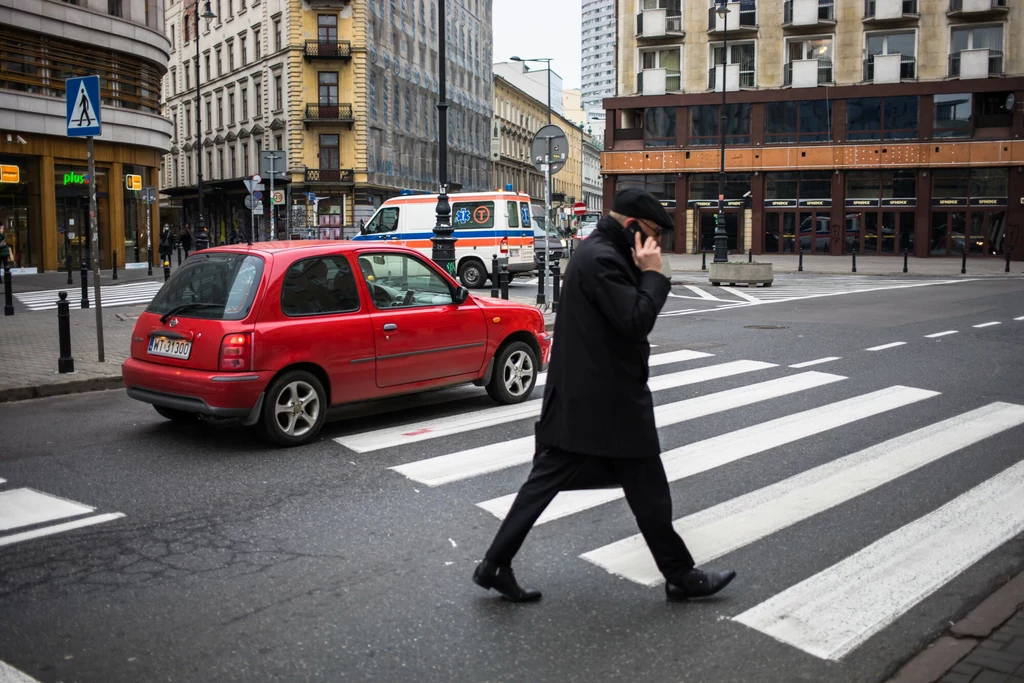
[(597, 428)]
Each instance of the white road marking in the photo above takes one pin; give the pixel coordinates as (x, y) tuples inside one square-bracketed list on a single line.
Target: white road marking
[(8, 674), (412, 432), (681, 312), (1020, 318), (719, 530), (807, 364), (833, 612), (59, 528), (113, 295), (743, 295), (987, 324), (22, 507), (701, 293), (708, 454), (940, 334), (886, 346), (473, 462)]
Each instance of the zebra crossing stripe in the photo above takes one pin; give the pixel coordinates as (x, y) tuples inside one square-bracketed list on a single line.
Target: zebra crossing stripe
[(59, 528), (708, 454), (718, 530), (833, 612), (446, 426), (117, 295), (474, 462), (24, 507)]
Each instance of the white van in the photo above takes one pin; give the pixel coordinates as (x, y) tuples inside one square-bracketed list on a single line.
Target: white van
[(486, 223)]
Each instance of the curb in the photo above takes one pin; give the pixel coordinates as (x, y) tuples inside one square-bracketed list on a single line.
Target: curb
[(940, 656), (79, 386)]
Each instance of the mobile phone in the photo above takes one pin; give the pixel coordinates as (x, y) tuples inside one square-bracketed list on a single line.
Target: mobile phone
[(631, 233)]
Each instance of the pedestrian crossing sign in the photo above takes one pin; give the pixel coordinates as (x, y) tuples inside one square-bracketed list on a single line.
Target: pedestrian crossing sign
[(82, 97)]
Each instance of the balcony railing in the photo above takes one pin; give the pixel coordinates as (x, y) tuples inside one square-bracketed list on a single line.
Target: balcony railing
[(909, 7), (673, 24), (747, 78), (329, 113), (908, 68), (824, 72), (328, 49), (330, 175), (826, 11), (748, 17), (958, 5), (995, 63)]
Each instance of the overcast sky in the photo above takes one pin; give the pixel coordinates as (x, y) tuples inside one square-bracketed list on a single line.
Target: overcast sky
[(540, 28)]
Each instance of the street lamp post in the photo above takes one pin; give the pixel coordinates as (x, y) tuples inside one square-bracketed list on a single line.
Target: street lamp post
[(202, 238), (721, 236), (443, 244)]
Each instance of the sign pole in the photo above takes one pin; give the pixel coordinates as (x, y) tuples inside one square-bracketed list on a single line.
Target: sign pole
[(95, 246), (273, 230), (149, 232)]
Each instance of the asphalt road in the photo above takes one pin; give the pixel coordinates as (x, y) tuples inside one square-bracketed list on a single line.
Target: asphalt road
[(237, 561)]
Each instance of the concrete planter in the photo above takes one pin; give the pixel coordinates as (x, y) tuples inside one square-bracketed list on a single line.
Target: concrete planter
[(741, 272)]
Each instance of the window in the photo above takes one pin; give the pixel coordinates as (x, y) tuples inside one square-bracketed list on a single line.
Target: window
[(278, 142), (171, 27), (174, 81), (225, 283), (278, 98), (220, 163), (257, 46), (660, 127), (667, 59), (114, 8), (403, 281), (220, 113), (209, 161), (385, 220), (220, 68), (258, 93), (277, 34), (209, 116), (805, 185), (902, 43), (977, 38), (885, 184), (231, 55), (188, 170), (208, 66), (175, 126), (233, 161), (328, 87), (231, 109), (319, 285), (741, 54), (882, 118), (673, 11), (330, 152), (243, 95), (808, 49), (185, 37), (704, 186), (472, 215), (952, 116), (513, 214), (524, 213), (991, 112), (245, 159), (231, 8), (188, 123), (789, 122), (704, 122), (242, 47)]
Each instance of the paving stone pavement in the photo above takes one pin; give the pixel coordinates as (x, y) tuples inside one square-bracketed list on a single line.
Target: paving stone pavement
[(997, 659)]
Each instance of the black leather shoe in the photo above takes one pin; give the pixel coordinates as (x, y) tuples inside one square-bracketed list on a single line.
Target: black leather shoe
[(489, 575), (697, 584)]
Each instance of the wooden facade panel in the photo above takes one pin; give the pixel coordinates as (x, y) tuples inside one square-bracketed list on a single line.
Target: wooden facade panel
[(741, 159), (703, 160), (816, 157)]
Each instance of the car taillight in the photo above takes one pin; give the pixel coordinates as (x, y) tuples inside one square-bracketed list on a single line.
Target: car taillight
[(504, 245), (236, 352)]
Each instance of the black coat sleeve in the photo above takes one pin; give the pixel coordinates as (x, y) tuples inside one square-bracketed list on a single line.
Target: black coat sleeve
[(632, 310)]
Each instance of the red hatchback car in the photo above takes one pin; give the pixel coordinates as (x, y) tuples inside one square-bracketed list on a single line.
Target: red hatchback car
[(277, 332)]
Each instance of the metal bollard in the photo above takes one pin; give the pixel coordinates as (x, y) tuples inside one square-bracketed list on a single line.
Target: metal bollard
[(495, 285), (115, 267), (541, 276), (65, 363), (854, 258), (800, 267), (179, 254), (556, 276), (67, 261), (750, 255), (149, 261), (906, 254), (85, 285), (503, 280), (703, 259), (167, 269), (963, 264), (1007, 258), (8, 290)]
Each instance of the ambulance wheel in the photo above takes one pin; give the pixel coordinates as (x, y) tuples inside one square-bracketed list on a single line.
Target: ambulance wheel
[(472, 274)]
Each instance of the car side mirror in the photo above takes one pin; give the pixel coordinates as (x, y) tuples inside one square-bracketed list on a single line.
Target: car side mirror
[(461, 295)]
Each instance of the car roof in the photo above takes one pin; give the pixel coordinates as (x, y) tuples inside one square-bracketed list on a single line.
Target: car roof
[(275, 247)]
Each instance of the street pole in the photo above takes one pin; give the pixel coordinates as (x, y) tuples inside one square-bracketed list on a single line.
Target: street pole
[(273, 230), (95, 246), (721, 237), (149, 229), (443, 249), (201, 233)]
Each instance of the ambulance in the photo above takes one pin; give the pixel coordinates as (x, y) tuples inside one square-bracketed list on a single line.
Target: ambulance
[(486, 223)]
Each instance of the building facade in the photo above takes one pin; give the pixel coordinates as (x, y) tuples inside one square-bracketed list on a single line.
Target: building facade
[(534, 82), (880, 126), (592, 189), (598, 60), (347, 92), (44, 203)]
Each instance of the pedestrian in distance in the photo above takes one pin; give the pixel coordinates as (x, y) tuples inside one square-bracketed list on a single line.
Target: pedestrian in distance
[(597, 427), (166, 245), (5, 253), (186, 241)]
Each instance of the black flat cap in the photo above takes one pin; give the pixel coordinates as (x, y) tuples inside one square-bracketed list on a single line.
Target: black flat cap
[(636, 203)]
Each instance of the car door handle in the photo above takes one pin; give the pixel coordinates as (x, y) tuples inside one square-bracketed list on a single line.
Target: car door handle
[(390, 327)]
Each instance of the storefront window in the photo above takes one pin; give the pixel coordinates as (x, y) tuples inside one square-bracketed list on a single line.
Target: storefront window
[(879, 185), (704, 186), (882, 118), (790, 122), (134, 220), (660, 127), (19, 212), (72, 190), (704, 122), (952, 116)]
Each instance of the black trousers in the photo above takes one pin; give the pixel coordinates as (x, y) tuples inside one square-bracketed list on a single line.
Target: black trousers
[(643, 481)]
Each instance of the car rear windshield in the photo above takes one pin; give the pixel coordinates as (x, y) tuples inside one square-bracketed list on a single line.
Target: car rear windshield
[(211, 286)]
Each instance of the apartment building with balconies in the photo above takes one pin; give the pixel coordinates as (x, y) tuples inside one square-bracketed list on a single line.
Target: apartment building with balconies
[(880, 126)]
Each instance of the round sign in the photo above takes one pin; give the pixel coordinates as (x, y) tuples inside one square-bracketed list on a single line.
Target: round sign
[(482, 214), (257, 195), (256, 178), (248, 201), (579, 208), (549, 141)]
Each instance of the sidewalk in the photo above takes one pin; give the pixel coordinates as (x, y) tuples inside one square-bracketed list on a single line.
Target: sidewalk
[(986, 646), (51, 280), (866, 265)]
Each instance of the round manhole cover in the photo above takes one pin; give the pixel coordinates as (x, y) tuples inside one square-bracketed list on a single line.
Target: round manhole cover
[(765, 327)]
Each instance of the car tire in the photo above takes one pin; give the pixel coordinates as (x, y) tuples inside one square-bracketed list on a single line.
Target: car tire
[(286, 423), (515, 373), (472, 274), (176, 415)]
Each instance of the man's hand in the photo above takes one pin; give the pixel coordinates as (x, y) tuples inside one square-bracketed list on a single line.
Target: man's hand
[(647, 254)]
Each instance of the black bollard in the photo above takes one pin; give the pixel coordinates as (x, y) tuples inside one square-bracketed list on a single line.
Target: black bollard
[(906, 255), (495, 285), (854, 252), (149, 261), (8, 290), (963, 263), (115, 267), (67, 261), (65, 363), (541, 265), (503, 280), (800, 267), (703, 259), (1007, 258), (179, 254), (85, 285), (556, 276), (750, 255), (167, 269)]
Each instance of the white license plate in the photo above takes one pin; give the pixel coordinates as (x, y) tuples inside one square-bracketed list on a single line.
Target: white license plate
[(172, 348)]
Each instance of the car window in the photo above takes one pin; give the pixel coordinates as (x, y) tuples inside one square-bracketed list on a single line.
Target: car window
[(211, 286), (317, 286), (524, 214), (386, 220), (403, 281), (472, 215), (513, 214)]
